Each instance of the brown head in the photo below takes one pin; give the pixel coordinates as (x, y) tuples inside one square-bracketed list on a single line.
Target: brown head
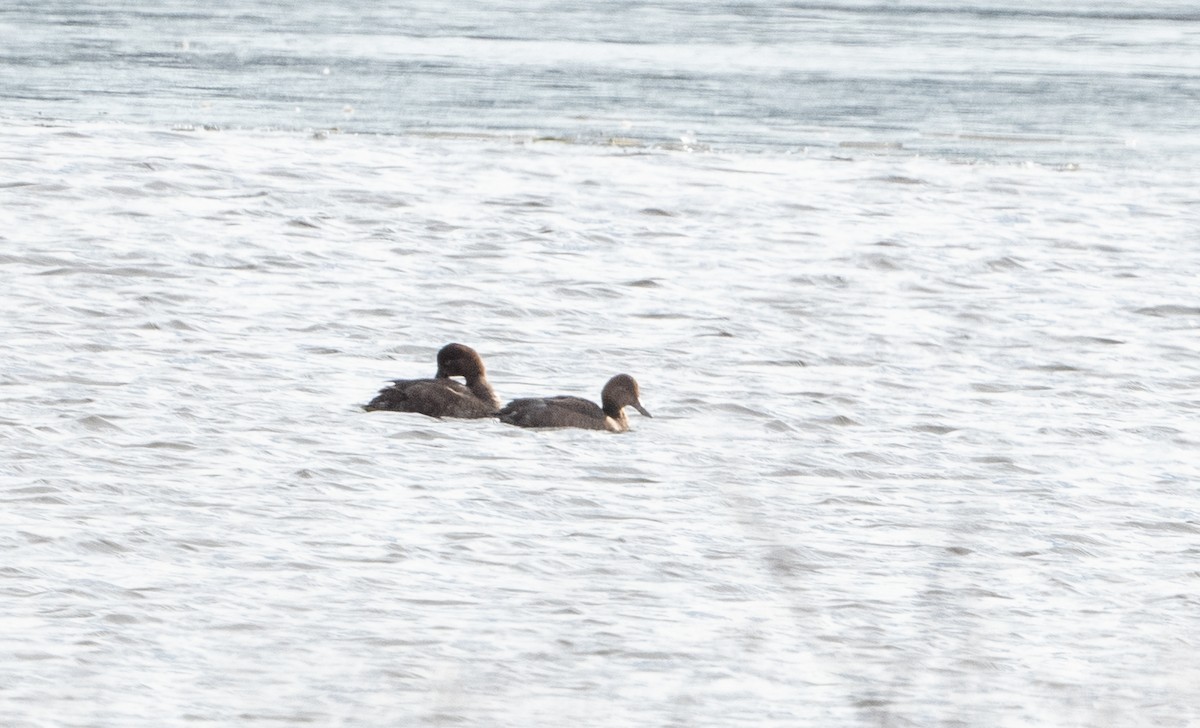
[(459, 360), (621, 391)]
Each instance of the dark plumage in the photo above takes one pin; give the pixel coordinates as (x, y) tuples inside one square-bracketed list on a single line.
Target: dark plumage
[(442, 396), (565, 411)]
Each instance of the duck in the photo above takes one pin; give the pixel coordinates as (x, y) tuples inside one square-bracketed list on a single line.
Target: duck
[(565, 411), (443, 396)]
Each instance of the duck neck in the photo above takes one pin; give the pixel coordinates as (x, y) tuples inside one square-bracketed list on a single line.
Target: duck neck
[(613, 410), (616, 421), (480, 387)]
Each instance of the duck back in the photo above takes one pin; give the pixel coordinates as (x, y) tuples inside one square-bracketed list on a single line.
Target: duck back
[(432, 397), (554, 412)]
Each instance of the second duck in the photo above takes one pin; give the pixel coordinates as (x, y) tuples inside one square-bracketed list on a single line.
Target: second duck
[(566, 411)]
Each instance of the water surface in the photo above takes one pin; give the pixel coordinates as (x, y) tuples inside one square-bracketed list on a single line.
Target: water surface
[(910, 292)]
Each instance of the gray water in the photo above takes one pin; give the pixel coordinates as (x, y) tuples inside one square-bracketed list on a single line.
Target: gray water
[(910, 292)]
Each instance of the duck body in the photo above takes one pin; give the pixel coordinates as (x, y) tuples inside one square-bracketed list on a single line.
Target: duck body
[(568, 411), (561, 411), (432, 397), (443, 396)]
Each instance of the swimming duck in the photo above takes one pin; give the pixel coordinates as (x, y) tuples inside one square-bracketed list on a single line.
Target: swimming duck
[(566, 411), (443, 396)]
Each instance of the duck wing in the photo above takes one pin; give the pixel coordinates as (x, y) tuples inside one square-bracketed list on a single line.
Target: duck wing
[(579, 405), (432, 397), (554, 412)]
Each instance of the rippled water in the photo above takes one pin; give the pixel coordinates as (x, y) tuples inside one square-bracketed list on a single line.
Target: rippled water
[(924, 387)]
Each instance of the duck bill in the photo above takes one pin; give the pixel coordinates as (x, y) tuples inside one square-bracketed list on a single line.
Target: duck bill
[(640, 408)]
